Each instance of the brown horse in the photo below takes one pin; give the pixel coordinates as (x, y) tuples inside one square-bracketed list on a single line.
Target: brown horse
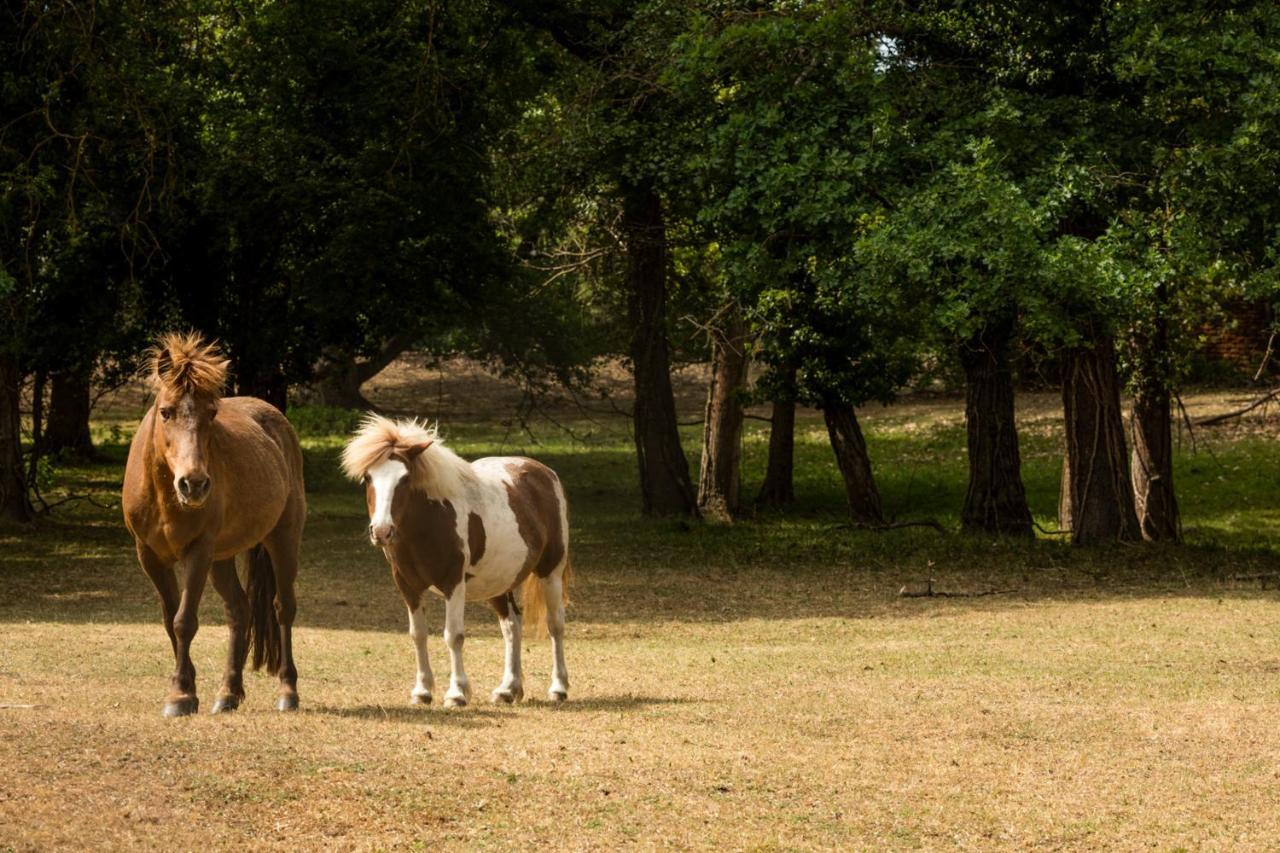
[(208, 479)]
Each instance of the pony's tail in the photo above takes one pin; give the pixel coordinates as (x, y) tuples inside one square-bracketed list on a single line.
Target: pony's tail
[(264, 627), (535, 600)]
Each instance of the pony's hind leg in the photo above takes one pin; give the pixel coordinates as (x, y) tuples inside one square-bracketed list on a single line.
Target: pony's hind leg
[(553, 595), (418, 630), (459, 693), (512, 687), (236, 605), (283, 548)]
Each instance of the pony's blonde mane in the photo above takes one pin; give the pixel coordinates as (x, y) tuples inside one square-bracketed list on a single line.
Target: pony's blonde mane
[(437, 471), (183, 362)]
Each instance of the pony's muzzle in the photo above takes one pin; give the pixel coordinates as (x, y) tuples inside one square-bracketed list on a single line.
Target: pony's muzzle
[(382, 534), (194, 488)]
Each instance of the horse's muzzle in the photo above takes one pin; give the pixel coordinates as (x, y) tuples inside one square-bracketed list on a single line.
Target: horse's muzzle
[(382, 535), (193, 489)]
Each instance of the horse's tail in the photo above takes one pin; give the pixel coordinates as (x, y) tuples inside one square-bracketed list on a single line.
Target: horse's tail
[(264, 626), (535, 600)]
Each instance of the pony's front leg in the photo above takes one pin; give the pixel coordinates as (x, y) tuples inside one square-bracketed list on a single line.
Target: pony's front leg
[(459, 693), (236, 606), (426, 682), (194, 568), (512, 687)]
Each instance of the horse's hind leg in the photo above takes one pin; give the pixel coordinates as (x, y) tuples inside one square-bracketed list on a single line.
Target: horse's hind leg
[(553, 595), (236, 605), (283, 548), (512, 687)]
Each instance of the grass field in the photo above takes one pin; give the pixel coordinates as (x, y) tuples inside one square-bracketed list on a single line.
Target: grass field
[(756, 686)]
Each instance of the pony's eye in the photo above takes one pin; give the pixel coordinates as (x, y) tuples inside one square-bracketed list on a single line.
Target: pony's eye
[(167, 413)]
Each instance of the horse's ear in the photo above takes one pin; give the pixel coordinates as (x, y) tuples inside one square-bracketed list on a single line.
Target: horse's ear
[(415, 451), (161, 363)]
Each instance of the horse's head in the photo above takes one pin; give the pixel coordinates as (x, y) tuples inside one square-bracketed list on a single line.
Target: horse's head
[(386, 491), (188, 375), (382, 455)]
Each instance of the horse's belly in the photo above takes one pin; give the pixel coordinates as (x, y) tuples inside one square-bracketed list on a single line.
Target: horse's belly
[(495, 573)]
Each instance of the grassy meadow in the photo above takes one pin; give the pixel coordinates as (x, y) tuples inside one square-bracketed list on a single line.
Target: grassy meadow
[(762, 685)]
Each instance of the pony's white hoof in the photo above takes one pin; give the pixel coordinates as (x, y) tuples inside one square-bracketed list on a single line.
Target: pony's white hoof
[(558, 694), (507, 695), (455, 700), (422, 697)]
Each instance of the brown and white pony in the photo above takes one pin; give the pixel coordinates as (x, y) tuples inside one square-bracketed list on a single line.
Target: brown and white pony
[(467, 531), (209, 479)]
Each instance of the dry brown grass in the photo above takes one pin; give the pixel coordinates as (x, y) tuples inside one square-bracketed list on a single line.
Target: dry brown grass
[(756, 688)]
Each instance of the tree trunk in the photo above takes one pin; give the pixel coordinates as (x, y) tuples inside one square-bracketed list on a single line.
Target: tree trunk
[(995, 501), (1154, 498), (854, 464), (14, 504), (67, 429), (340, 374), (778, 489), (1098, 495), (720, 473), (665, 488)]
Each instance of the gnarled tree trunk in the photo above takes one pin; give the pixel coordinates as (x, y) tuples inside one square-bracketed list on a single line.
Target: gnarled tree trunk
[(778, 489), (1152, 425), (1097, 500), (14, 504), (665, 487), (67, 429), (995, 501), (720, 472), (854, 463)]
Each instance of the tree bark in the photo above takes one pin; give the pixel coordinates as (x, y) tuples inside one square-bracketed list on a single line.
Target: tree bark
[(1152, 425), (778, 489), (995, 501), (720, 473), (665, 487), (14, 502), (854, 463), (67, 429), (1097, 489)]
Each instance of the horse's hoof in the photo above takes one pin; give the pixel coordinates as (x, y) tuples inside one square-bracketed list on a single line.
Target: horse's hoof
[(508, 696), (456, 701), (287, 702), (556, 695), (419, 698), (225, 703), (184, 706)]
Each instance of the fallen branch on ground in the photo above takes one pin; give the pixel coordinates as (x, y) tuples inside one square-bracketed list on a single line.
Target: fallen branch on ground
[(930, 592), (890, 525), (1263, 400)]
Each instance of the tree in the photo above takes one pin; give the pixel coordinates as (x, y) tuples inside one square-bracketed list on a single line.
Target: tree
[(720, 473)]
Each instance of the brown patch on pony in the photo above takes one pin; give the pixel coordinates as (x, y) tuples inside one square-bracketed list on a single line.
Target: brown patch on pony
[(183, 362), (533, 499), (475, 537), (428, 551)]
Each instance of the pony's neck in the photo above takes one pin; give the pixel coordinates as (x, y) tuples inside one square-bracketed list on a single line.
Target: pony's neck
[(442, 474)]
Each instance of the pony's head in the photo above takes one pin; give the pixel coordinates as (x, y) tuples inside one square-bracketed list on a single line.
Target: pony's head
[(187, 375), (385, 455)]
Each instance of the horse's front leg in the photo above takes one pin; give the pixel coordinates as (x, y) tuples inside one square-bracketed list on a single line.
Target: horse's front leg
[(426, 682), (512, 687), (194, 569), (459, 693), (236, 605)]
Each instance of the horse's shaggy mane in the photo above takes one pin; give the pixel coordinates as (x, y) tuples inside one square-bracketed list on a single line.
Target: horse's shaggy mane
[(437, 471), (185, 363)]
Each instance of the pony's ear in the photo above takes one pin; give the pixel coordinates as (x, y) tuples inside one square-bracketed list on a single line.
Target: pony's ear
[(161, 362), (412, 453)]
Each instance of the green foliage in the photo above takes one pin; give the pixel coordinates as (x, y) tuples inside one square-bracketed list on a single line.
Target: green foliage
[(316, 421)]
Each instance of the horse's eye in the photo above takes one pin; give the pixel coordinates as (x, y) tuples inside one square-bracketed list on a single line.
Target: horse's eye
[(167, 413)]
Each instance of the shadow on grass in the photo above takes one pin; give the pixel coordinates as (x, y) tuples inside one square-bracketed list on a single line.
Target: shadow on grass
[(479, 715)]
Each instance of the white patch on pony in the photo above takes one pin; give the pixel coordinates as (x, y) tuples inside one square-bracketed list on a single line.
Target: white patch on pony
[(385, 477), (505, 550)]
